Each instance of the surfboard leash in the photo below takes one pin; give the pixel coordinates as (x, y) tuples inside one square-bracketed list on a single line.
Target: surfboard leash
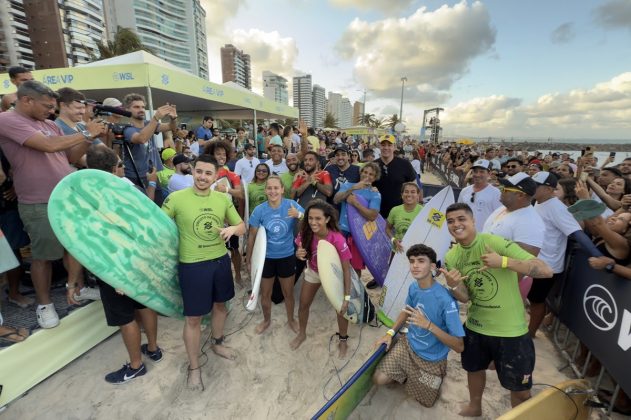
[(338, 371)]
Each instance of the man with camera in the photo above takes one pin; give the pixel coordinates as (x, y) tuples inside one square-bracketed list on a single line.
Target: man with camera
[(138, 135), (40, 156)]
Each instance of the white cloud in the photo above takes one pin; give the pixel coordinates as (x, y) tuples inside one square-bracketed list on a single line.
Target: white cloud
[(388, 6), (432, 49), (218, 13), (600, 112), (268, 51)]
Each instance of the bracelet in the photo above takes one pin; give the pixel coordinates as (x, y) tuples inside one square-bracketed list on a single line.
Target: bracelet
[(392, 240), (152, 184), (347, 298), (391, 332), (429, 326), (504, 262), (300, 215), (69, 287)]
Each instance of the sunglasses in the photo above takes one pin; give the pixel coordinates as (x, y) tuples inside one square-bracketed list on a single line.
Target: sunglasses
[(473, 197), (251, 166), (512, 166), (508, 189)]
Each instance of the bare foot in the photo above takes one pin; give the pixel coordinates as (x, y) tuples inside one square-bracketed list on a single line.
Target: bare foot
[(21, 300), (13, 335), (239, 283), (343, 347), (224, 351), (296, 342), (262, 327), (470, 411), (194, 380), (293, 325)]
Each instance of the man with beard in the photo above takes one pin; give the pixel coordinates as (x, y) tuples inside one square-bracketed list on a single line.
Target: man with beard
[(311, 183), (513, 166), (139, 137), (245, 166), (182, 177), (482, 197), (342, 171), (204, 268)]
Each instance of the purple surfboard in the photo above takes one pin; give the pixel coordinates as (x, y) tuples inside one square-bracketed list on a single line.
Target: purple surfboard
[(371, 240)]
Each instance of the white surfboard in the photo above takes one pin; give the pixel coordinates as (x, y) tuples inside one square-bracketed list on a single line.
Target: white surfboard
[(360, 309), (429, 228), (257, 261)]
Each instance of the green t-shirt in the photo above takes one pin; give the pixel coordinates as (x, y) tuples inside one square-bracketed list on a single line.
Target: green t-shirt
[(401, 219), (198, 219), (496, 307), (287, 179), (164, 176), (256, 195)]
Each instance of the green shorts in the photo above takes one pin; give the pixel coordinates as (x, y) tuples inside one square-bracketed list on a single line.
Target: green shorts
[(44, 243)]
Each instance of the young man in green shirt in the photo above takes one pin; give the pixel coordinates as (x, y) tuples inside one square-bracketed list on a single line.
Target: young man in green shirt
[(204, 270), (483, 269)]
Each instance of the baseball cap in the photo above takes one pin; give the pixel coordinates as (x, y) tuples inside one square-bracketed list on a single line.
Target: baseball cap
[(180, 159), (522, 182), (389, 138), (341, 147), (168, 153), (482, 163), (545, 178), (113, 102), (248, 146)]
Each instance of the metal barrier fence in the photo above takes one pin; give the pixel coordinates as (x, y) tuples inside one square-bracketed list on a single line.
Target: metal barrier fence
[(448, 175)]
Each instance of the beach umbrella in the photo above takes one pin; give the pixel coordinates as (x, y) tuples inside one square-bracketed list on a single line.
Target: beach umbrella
[(465, 141)]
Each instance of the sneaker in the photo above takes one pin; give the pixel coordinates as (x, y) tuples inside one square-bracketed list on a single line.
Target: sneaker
[(125, 374), (88, 293), (47, 316), (156, 356)]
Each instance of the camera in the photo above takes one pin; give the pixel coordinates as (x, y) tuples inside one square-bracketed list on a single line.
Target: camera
[(118, 130)]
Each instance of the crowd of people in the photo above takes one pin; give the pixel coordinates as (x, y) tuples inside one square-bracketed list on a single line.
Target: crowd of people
[(299, 183)]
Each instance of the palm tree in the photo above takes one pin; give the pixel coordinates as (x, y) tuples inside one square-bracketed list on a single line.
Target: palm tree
[(330, 121), (367, 119), (288, 121), (392, 121), (377, 122), (125, 41)]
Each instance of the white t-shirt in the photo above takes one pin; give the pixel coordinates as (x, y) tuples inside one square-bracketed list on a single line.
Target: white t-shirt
[(179, 182), (522, 225), (195, 148), (559, 224), (416, 164), (485, 202), (245, 168), (279, 169)]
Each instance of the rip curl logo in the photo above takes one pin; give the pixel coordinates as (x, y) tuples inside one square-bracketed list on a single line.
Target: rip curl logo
[(600, 307)]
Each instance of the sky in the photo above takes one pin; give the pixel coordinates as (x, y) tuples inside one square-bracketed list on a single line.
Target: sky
[(501, 68)]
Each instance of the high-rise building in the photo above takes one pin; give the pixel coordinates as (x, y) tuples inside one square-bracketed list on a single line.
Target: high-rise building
[(15, 41), (358, 112), (235, 66), (174, 30), (275, 87), (303, 98), (346, 113), (333, 105), (319, 105), (82, 26)]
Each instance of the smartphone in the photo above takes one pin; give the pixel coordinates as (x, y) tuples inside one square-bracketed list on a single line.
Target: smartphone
[(596, 172), (612, 154), (582, 152), (584, 176), (183, 126), (588, 148), (151, 166)]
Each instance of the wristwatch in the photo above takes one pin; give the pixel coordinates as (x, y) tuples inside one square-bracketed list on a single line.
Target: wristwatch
[(609, 268), (86, 134)]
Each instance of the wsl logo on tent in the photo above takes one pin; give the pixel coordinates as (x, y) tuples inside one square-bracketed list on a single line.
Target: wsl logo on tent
[(600, 307), (120, 77)]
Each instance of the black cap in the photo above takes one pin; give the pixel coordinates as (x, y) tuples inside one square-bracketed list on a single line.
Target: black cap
[(177, 159), (248, 146), (340, 147)]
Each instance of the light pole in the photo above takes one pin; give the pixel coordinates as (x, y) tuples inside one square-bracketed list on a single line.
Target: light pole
[(403, 80)]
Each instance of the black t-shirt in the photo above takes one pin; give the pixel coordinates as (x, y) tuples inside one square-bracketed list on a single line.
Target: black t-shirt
[(393, 175), (338, 177)]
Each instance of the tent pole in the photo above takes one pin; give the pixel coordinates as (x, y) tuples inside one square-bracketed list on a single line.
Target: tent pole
[(254, 133)]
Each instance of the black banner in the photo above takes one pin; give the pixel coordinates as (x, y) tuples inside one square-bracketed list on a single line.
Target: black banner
[(596, 307)]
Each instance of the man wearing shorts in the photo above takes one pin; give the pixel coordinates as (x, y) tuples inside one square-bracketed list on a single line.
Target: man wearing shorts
[(204, 270), (40, 156), (120, 310), (482, 269), (420, 359)]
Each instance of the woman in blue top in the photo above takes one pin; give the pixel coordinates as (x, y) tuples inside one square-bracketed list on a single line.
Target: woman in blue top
[(278, 216)]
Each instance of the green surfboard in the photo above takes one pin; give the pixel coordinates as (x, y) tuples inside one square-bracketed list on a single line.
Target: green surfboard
[(120, 235)]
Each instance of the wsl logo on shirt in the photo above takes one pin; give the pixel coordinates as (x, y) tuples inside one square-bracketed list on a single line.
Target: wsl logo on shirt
[(207, 226), (482, 285)]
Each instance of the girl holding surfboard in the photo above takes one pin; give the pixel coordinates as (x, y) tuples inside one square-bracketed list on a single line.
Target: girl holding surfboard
[(320, 223), (400, 217), (278, 216)]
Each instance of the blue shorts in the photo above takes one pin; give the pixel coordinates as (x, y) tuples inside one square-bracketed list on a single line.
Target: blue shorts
[(204, 283), (13, 228)]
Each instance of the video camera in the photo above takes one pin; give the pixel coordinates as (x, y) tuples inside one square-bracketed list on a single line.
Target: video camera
[(104, 109)]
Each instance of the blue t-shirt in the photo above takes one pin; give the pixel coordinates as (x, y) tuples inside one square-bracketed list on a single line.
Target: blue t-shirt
[(142, 154), (68, 131), (204, 133), (440, 308), (372, 197), (338, 177), (278, 226)]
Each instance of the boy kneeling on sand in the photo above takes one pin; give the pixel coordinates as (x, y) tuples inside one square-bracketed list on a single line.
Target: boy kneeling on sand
[(419, 359)]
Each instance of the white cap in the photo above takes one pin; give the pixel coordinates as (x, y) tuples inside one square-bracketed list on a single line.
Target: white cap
[(482, 163), (113, 102)]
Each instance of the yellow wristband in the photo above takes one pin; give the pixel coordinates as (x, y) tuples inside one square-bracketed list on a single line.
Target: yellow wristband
[(347, 298), (504, 262), (391, 332)]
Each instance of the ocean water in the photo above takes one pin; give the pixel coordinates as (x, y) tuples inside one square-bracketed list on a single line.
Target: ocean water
[(602, 156)]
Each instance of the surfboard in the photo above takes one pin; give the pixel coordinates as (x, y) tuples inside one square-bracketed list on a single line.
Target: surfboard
[(564, 402), (246, 217), (7, 258), (371, 240), (120, 235), (360, 308), (342, 404), (257, 261), (428, 227)]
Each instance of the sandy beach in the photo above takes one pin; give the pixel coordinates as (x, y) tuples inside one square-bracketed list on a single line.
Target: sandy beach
[(267, 381)]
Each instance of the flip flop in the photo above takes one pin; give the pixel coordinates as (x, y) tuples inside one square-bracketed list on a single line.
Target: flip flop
[(13, 336), (605, 396)]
